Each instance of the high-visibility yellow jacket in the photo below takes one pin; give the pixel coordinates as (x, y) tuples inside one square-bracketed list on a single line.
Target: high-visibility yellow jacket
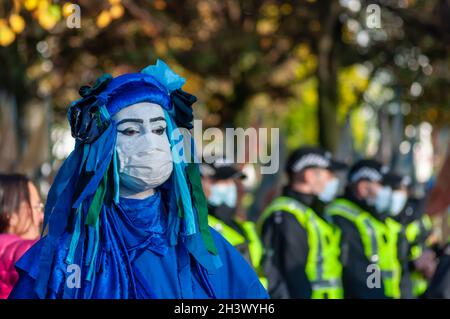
[(323, 268), (379, 239), (416, 233)]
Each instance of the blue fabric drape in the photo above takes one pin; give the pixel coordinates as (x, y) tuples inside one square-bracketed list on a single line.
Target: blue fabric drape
[(135, 260), (126, 248)]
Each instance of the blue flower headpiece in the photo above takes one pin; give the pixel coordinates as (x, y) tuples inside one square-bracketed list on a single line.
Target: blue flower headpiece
[(90, 116)]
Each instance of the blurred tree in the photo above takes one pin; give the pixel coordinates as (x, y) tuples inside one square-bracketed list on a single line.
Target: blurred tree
[(235, 51)]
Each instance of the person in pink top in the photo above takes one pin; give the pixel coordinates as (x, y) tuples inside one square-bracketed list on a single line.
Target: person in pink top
[(21, 217)]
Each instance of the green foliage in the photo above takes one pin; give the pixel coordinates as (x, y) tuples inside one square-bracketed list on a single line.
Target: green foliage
[(300, 120)]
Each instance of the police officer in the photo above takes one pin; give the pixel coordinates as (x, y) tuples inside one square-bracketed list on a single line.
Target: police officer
[(221, 182), (410, 213), (370, 237), (302, 247)]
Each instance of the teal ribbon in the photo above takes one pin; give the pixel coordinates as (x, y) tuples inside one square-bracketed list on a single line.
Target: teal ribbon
[(181, 185)]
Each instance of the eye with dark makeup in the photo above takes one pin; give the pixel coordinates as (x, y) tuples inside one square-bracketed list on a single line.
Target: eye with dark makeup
[(129, 131), (159, 130)]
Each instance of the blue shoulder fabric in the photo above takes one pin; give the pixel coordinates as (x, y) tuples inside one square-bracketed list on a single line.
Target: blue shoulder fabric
[(234, 280)]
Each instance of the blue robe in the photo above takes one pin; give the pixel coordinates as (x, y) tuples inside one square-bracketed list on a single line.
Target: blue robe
[(135, 260)]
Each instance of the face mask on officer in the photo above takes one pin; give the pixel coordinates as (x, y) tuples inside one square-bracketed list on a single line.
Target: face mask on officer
[(322, 182), (143, 149), (223, 193), (330, 191), (383, 199), (398, 201), (379, 197), (375, 195)]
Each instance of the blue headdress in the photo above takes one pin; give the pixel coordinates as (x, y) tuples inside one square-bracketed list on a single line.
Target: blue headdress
[(88, 180)]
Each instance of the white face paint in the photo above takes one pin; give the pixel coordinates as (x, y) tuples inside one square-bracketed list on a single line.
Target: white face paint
[(143, 149)]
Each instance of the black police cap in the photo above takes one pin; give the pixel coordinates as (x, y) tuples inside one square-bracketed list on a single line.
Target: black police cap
[(221, 169), (374, 171), (308, 156)]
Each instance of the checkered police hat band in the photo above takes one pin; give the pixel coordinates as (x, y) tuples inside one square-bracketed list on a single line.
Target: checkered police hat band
[(366, 173), (310, 160)]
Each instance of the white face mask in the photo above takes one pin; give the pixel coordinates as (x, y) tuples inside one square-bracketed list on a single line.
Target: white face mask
[(223, 194), (382, 199), (143, 149), (398, 202), (330, 191)]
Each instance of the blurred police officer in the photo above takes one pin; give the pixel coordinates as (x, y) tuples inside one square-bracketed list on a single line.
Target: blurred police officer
[(371, 239), (221, 182), (302, 247), (410, 213)]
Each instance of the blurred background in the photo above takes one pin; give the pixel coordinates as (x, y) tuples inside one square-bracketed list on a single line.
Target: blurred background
[(360, 78)]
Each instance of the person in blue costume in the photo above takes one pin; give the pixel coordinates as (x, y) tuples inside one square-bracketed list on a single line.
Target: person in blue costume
[(126, 216)]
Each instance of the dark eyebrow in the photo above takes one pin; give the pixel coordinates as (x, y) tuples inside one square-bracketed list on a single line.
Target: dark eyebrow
[(156, 119), (130, 120)]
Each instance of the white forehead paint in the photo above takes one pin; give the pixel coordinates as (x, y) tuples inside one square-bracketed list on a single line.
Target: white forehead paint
[(140, 110)]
